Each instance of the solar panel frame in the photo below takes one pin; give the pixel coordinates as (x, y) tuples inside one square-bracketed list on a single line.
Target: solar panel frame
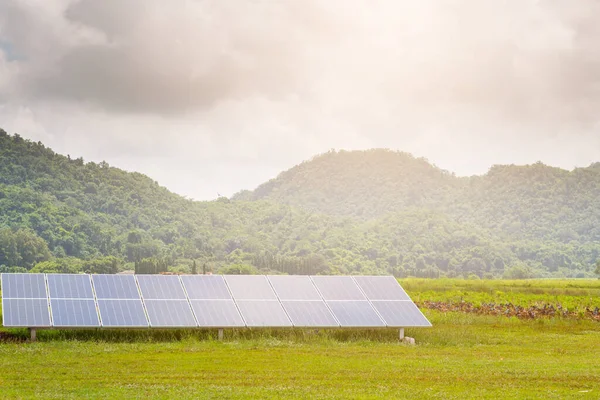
[(354, 314), (62, 313), (12, 316), (161, 287), (172, 313), (253, 313), (310, 314), (401, 314), (206, 287), (69, 286), (12, 288), (338, 288), (107, 306), (381, 288), (115, 287), (250, 287), (294, 287), (217, 313)]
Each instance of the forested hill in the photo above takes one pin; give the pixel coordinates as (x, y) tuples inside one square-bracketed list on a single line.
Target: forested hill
[(374, 212), (535, 201), (360, 183)]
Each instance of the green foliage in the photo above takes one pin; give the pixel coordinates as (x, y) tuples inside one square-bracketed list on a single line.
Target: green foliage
[(69, 265), (12, 270), (103, 265), (518, 272), (22, 248), (373, 212), (151, 266), (238, 269)]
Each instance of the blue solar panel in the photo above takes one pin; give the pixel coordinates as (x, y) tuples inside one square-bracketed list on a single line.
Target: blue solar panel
[(122, 313), (126, 301), (260, 313), (250, 287), (31, 313), (400, 313), (68, 286), (355, 313), (338, 288), (23, 286), (289, 287), (169, 313), (115, 287), (74, 313), (309, 314), (161, 287), (217, 313), (381, 288), (205, 287)]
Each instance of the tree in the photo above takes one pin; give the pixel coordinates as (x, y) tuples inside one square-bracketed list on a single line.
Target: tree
[(598, 268), (67, 265), (238, 269), (151, 265), (103, 265), (22, 248), (194, 268)]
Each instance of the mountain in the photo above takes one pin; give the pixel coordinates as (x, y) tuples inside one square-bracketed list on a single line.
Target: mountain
[(370, 212), (535, 201), (362, 184)]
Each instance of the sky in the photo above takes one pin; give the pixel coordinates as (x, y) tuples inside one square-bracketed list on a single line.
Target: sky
[(210, 97)]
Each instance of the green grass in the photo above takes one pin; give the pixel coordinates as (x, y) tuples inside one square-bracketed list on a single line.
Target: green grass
[(462, 356), (573, 294)]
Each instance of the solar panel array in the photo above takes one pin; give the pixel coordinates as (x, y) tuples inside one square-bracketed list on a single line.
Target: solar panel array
[(171, 301)]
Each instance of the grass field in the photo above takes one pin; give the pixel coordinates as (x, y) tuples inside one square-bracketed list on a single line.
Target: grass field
[(462, 356), (574, 294)]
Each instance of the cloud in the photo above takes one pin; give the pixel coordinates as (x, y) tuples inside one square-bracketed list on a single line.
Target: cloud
[(173, 88)]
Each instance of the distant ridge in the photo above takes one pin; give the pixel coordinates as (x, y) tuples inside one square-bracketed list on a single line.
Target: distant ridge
[(350, 212)]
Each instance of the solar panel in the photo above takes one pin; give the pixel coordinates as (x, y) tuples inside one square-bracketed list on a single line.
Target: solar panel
[(290, 287), (309, 314), (122, 313), (169, 313), (23, 286), (355, 314), (205, 287), (127, 301), (250, 287), (115, 287), (400, 313), (161, 287), (217, 313), (32, 313), (69, 286), (74, 313), (381, 288), (261, 313), (338, 288)]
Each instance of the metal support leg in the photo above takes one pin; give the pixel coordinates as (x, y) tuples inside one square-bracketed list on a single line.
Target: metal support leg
[(401, 334), (220, 334), (32, 333)]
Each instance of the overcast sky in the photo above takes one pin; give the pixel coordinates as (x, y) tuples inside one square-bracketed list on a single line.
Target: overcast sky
[(215, 96)]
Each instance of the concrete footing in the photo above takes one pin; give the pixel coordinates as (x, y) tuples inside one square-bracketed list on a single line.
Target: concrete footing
[(32, 334), (220, 334), (409, 340)]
